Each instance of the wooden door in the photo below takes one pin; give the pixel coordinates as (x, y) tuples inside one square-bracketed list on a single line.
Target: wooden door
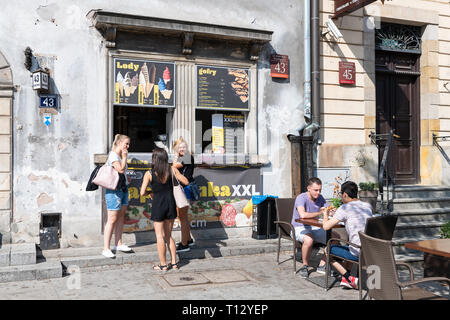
[(398, 108)]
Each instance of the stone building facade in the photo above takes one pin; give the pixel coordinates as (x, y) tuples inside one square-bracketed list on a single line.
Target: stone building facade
[(44, 169), (349, 112)]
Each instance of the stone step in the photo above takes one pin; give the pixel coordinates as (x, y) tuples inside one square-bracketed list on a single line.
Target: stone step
[(419, 225), (416, 191), (396, 241), (17, 254), (39, 271), (417, 232), (425, 217), (408, 204), (147, 253)]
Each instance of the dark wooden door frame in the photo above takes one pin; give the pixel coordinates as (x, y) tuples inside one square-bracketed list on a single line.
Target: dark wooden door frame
[(394, 72)]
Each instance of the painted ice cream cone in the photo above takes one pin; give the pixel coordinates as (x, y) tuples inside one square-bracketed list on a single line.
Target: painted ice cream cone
[(144, 71), (127, 84), (166, 75), (166, 94), (119, 80)]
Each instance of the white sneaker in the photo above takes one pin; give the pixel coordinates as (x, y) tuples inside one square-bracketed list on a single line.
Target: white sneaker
[(123, 248), (108, 254)]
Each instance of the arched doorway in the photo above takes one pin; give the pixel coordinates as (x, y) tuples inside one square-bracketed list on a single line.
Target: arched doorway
[(6, 97)]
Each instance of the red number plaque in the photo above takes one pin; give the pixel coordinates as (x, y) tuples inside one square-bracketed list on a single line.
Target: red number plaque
[(279, 66), (347, 73)]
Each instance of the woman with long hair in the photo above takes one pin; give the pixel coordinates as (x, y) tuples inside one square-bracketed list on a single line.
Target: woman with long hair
[(184, 162), (163, 206), (116, 200)]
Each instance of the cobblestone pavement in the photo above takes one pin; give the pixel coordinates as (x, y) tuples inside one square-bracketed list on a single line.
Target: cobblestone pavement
[(225, 278), (246, 277)]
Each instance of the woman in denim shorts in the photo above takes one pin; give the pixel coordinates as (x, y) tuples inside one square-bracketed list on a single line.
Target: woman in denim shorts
[(116, 200)]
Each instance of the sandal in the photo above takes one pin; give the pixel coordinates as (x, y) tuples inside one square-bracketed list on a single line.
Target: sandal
[(160, 267), (174, 266)]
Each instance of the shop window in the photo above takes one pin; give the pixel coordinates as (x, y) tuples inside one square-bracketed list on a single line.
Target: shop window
[(146, 126), (221, 132)]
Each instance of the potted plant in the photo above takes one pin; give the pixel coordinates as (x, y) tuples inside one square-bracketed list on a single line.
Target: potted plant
[(369, 193), (445, 231)]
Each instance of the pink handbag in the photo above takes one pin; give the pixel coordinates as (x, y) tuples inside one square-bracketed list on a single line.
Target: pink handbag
[(178, 194), (107, 177)]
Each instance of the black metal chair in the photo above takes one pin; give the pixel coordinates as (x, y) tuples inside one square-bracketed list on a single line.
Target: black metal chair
[(381, 227)]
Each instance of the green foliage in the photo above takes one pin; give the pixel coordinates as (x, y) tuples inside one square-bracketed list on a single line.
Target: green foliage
[(368, 186), (445, 231), (336, 202)]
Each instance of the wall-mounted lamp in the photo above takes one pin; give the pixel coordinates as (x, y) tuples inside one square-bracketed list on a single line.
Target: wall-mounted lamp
[(40, 80), (28, 58)]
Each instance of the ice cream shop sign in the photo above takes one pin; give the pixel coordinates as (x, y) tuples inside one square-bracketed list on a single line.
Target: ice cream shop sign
[(144, 83), (225, 197)]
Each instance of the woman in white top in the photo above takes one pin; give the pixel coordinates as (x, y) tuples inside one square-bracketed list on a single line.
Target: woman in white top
[(116, 200)]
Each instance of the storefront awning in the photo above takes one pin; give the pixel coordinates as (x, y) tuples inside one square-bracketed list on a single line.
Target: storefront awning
[(110, 23)]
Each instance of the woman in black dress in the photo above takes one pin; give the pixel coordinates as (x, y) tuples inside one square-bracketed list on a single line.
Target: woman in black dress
[(163, 205), (184, 162)]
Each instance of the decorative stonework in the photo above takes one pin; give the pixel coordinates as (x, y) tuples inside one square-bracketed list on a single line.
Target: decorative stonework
[(109, 23), (398, 37), (6, 93)]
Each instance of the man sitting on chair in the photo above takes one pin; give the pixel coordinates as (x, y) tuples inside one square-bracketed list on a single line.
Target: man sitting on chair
[(310, 204), (354, 214)]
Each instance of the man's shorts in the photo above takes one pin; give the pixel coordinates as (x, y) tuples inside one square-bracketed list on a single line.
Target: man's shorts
[(318, 234), (115, 199), (343, 251)]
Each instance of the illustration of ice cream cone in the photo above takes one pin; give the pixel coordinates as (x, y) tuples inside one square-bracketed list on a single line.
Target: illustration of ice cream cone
[(166, 75), (127, 84), (146, 80), (152, 76), (162, 87), (119, 81)]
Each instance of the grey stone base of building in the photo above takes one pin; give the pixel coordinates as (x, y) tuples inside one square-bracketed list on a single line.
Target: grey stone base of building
[(39, 271)]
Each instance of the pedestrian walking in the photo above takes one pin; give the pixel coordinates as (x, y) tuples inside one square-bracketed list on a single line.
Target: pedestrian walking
[(164, 211), (184, 162), (116, 200)]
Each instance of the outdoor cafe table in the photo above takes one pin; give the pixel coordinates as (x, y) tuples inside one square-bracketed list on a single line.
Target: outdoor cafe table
[(320, 281), (436, 258), (318, 223)]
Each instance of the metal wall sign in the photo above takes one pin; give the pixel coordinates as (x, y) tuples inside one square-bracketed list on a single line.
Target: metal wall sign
[(40, 80), (48, 101), (347, 72), (222, 88), (144, 83), (279, 66), (344, 7)]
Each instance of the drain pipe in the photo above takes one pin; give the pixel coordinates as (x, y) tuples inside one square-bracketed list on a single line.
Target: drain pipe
[(314, 125), (307, 59)]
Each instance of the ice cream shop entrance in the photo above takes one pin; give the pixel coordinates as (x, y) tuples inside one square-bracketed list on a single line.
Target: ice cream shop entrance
[(146, 126)]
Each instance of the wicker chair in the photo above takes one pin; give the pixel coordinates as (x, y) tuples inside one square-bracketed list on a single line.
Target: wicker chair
[(285, 209), (379, 253), (381, 227)]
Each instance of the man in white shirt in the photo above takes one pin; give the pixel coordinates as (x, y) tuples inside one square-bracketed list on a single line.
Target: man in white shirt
[(353, 213)]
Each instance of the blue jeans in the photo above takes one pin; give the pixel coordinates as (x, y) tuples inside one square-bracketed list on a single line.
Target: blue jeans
[(343, 251), (115, 199)]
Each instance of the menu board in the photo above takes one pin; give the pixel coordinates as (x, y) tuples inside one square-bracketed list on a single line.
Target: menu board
[(234, 133), (144, 83), (222, 88)]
